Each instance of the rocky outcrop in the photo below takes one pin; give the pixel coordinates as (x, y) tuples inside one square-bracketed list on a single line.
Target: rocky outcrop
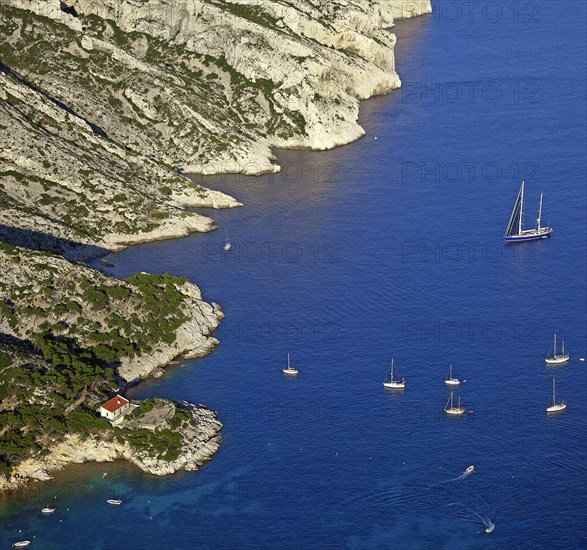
[(193, 338), (60, 179), (200, 440), (142, 322)]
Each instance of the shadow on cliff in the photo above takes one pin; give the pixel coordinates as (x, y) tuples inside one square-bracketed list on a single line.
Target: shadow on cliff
[(35, 240)]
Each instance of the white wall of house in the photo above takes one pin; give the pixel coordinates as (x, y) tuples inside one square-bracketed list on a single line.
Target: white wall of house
[(116, 414)]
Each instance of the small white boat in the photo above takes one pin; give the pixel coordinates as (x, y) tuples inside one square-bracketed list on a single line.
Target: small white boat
[(48, 510), (227, 244), (104, 475), (115, 501), (291, 371), (21, 544), (490, 527), (555, 407), (470, 469), (394, 384), (452, 410), (556, 359), (450, 381)]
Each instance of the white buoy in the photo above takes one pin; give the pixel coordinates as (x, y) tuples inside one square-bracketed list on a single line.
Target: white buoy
[(582, 359)]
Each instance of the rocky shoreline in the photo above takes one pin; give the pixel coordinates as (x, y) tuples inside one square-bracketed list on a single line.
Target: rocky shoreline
[(201, 440)]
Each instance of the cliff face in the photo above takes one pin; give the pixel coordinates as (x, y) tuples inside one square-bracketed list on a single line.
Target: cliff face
[(240, 76), (104, 102)]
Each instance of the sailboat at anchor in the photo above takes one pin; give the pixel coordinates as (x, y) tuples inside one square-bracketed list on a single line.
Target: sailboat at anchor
[(450, 381), (555, 358), (452, 410), (393, 383), (515, 230), (556, 405)]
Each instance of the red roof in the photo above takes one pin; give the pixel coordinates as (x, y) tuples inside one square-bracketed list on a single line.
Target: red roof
[(115, 403)]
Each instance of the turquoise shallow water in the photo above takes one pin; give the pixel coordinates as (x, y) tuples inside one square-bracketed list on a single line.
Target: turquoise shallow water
[(387, 247)]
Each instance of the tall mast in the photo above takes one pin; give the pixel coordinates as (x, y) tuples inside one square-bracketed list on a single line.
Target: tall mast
[(553, 391), (288, 360), (554, 354), (539, 212), (521, 209)]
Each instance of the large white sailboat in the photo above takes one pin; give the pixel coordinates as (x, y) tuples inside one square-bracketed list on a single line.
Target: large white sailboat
[(452, 410), (556, 359), (288, 369), (515, 230), (450, 381), (555, 407), (394, 384)]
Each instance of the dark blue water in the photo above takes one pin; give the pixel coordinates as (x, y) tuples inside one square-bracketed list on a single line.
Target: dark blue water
[(389, 247)]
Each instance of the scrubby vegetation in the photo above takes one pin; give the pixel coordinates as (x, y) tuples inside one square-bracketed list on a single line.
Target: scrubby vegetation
[(54, 388), (70, 327), (47, 390), (109, 318)]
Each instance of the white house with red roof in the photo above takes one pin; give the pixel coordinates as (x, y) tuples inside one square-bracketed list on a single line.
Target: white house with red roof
[(115, 408)]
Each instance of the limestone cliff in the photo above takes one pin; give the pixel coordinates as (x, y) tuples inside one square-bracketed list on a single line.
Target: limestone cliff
[(212, 85)]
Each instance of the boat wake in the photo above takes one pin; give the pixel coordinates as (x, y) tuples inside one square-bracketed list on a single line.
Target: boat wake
[(411, 493), (468, 514), (468, 471)]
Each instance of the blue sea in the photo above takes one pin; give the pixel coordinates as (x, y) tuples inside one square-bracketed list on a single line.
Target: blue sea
[(390, 247)]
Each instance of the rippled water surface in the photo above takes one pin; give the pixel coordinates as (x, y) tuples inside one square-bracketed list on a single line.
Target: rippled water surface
[(389, 247)]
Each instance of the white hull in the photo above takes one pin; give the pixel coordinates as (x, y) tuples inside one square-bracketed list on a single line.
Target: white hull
[(116, 502), (394, 385), (559, 360), (48, 510), (556, 408), (21, 544), (490, 528), (455, 412), (227, 246)]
